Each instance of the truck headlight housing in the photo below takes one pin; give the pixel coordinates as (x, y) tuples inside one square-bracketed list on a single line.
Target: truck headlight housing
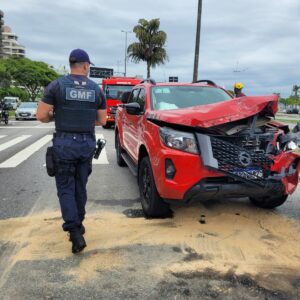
[(179, 140)]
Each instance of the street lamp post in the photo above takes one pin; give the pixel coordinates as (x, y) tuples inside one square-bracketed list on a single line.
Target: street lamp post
[(197, 47), (125, 58)]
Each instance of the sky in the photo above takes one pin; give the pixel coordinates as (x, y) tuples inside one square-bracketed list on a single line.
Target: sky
[(252, 41)]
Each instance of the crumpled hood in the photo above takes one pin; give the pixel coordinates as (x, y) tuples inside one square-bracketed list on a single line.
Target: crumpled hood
[(218, 113)]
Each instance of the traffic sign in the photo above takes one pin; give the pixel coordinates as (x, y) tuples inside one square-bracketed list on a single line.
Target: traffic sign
[(96, 72)]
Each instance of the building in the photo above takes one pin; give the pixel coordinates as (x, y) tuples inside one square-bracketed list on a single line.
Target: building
[(1, 25), (10, 44)]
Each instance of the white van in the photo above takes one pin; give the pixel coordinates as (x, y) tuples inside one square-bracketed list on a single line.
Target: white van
[(12, 101)]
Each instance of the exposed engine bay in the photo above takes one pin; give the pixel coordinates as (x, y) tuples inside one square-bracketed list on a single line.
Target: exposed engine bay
[(246, 149)]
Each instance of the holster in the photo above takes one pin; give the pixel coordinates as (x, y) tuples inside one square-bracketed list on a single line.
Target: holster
[(50, 165)]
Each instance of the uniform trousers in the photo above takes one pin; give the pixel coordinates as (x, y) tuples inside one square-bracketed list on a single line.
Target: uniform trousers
[(73, 154)]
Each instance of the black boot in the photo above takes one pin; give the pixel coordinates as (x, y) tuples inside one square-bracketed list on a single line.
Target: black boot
[(81, 230), (77, 239)]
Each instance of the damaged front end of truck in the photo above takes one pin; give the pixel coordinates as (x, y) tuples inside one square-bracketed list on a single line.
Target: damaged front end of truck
[(241, 140)]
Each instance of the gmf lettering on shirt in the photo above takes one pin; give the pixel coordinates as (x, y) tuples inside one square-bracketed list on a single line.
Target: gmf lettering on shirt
[(80, 95)]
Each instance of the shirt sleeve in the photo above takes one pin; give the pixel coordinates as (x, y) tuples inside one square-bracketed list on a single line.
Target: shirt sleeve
[(50, 93), (101, 100)]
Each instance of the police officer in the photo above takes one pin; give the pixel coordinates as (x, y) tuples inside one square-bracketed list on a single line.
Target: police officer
[(78, 104), (238, 86)]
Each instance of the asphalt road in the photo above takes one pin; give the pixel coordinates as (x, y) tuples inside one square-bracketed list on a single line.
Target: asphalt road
[(210, 250)]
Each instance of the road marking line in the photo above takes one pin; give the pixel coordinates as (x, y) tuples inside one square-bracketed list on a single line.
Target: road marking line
[(14, 142), (102, 160), (2, 136), (26, 153)]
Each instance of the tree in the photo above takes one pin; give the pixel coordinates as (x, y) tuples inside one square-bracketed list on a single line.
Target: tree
[(14, 92), (4, 75), (295, 89), (150, 47), (33, 76)]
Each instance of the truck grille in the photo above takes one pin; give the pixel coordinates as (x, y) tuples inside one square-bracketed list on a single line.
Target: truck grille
[(241, 163)]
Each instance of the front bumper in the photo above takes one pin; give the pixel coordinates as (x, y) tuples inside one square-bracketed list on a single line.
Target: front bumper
[(196, 175), (220, 188), (25, 116)]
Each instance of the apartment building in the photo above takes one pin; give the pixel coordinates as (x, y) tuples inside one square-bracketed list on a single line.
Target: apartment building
[(1, 26), (10, 44)]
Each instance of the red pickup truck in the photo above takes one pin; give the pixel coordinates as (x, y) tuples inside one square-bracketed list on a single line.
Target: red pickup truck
[(186, 142), (113, 88)]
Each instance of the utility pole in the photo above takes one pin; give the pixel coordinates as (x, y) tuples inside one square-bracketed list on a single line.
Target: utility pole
[(125, 58), (197, 47)]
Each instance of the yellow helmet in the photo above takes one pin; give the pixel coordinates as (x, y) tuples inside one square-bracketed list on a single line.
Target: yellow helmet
[(238, 85)]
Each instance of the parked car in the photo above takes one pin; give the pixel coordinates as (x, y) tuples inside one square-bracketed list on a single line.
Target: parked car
[(186, 142), (292, 110), (12, 102), (26, 110)]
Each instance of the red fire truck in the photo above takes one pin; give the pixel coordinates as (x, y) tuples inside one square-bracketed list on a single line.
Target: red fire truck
[(113, 88)]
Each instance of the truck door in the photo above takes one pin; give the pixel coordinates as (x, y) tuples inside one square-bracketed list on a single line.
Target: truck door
[(137, 124), (127, 124)]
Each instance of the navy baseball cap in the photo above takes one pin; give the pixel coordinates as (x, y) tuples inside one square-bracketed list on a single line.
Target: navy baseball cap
[(79, 55)]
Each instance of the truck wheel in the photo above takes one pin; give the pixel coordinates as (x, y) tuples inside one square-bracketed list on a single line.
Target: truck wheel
[(119, 150), (269, 202), (152, 204), (107, 126)]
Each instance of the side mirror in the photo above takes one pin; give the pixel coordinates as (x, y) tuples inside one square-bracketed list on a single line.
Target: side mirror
[(125, 97), (133, 108)]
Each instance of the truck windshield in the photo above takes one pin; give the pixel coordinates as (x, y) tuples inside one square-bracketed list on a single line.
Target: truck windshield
[(10, 100), (173, 97), (115, 91)]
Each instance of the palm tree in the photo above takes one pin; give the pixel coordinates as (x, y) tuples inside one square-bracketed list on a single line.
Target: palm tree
[(150, 47), (296, 88)]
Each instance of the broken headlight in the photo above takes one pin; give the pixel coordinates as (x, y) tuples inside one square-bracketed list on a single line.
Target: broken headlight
[(179, 140)]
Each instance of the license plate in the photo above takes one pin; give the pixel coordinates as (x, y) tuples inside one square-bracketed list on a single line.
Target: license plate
[(249, 173)]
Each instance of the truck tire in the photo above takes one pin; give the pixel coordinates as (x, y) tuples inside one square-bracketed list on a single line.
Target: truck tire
[(119, 150), (107, 126), (269, 202), (152, 204)]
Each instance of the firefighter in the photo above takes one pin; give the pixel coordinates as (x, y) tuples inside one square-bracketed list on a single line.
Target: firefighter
[(238, 86), (78, 105)]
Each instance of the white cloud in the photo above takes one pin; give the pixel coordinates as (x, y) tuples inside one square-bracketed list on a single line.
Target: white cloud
[(262, 37)]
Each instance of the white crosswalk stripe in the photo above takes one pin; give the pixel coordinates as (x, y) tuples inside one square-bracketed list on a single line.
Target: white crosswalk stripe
[(102, 160), (14, 142), (24, 154)]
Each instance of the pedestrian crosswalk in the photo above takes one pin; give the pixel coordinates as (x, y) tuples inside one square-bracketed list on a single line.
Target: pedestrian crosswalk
[(14, 141), (28, 150)]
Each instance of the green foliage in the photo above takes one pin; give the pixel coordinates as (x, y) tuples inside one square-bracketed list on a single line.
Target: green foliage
[(150, 47), (292, 100), (33, 76), (14, 92), (296, 89)]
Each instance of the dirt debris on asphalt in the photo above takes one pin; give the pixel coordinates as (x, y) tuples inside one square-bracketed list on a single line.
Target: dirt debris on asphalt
[(262, 245)]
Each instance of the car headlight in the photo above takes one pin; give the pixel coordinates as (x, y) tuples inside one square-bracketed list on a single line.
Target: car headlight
[(180, 140)]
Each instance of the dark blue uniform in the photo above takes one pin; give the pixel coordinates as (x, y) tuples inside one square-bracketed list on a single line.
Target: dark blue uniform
[(76, 100)]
